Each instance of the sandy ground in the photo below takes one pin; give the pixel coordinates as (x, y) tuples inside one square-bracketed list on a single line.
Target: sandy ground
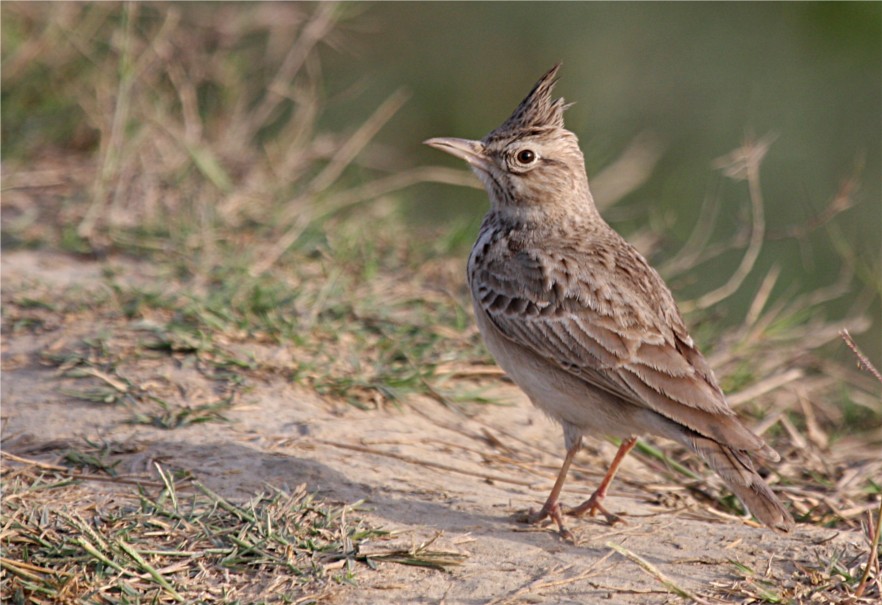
[(420, 469)]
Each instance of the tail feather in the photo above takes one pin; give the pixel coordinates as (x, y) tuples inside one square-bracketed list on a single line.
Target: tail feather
[(737, 470), (764, 505)]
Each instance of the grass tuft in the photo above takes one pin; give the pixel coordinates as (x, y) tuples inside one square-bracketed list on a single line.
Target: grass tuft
[(178, 543)]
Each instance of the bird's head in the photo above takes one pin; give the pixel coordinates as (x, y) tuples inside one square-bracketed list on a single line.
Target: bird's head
[(531, 160)]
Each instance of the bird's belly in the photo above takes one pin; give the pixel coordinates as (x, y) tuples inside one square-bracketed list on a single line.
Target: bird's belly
[(558, 393)]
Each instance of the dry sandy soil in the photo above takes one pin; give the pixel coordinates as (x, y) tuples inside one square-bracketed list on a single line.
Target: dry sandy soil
[(420, 469)]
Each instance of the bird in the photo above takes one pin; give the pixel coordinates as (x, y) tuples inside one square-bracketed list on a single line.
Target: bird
[(582, 323)]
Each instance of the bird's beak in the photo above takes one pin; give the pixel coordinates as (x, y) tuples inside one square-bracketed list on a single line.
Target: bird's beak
[(470, 151)]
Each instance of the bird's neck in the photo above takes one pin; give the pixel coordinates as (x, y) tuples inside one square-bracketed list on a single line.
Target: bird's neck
[(576, 210)]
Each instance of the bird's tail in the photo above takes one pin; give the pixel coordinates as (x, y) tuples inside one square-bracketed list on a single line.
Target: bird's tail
[(737, 470)]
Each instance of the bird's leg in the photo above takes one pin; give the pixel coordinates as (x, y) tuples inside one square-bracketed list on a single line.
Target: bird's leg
[(592, 505), (551, 508)]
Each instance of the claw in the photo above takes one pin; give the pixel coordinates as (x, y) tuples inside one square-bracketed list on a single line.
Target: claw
[(552, 509), (591, 507), (549, 511)]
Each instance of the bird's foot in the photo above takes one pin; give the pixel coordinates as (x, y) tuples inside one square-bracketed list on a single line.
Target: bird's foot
[(592, 506), (549, 511)]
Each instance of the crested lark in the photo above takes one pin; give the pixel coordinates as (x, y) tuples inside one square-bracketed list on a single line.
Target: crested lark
[(581, 322)]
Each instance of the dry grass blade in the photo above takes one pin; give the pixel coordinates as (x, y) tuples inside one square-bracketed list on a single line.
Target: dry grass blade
[(874, 529), (113, 140), (420, 555), (627, 173), (762, 295), (143, 564), (691, 253), (316, 29), (864, 362), (301, 210), (80, 476), (548, 580), (347, 152), (131, 543), (655, 573), (743, 163), (762, 387), (92, 550), (395, 182), (433, 559)]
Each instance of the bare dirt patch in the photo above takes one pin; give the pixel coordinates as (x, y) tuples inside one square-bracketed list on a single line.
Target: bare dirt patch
[(451, 476)]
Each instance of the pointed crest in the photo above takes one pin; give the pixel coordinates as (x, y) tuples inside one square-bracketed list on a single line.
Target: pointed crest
[(537, 111)]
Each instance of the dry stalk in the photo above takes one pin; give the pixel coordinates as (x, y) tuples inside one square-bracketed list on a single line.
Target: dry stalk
[(691, 253), (655, 573), (631, 170), (301, 211), (864, 362), (742, 164), (873, 557), (121, 479), (316, 29)]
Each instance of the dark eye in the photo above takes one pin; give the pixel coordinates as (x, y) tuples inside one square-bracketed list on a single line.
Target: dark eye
[(526, 156)]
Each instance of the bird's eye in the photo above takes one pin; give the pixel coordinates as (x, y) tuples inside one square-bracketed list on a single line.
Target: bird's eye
[(526, 156)]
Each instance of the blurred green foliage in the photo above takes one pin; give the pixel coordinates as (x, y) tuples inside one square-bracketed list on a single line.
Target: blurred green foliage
[(699, 76)]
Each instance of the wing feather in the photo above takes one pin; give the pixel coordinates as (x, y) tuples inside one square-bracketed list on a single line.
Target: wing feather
[(624, 336)]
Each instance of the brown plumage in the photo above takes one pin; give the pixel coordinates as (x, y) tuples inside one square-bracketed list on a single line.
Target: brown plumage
[(578, 318)]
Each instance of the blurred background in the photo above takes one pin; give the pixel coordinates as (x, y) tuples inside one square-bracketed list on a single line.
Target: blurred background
[(697, 78), (676, 86)]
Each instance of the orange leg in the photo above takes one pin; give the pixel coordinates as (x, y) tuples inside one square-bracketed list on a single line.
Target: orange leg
[(551, 508), (592, 505)]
